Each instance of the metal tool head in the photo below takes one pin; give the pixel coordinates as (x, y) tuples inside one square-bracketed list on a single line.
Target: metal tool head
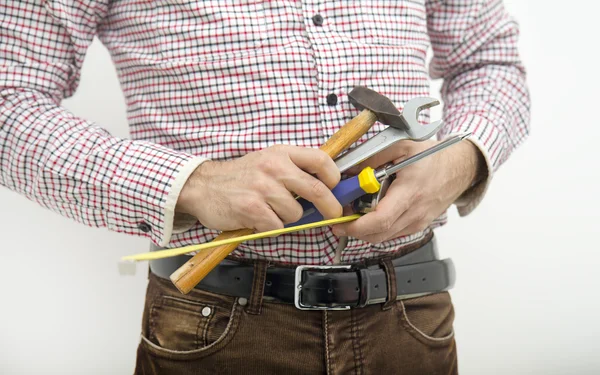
[(406, 126), (410, 114), (364, 98), (387, 113)]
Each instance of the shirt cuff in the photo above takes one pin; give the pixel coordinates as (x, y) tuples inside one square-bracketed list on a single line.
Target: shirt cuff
[(179, 222), (145, 189), (483, 135)]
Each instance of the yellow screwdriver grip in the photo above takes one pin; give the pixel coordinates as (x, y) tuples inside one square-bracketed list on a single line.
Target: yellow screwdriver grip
[(367, 181)]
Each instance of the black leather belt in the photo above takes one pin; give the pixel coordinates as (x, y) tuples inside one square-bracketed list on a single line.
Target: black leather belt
[(327, 287)]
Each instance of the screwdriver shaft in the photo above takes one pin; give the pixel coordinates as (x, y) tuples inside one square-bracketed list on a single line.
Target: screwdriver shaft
[(383, 173)]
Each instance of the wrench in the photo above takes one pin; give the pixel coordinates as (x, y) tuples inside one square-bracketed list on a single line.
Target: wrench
[(401, 126)]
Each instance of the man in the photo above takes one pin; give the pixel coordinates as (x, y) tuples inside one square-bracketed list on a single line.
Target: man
[(227, 104)]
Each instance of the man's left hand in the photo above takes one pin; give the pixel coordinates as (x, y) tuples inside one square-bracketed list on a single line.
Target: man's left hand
[(420, 193)]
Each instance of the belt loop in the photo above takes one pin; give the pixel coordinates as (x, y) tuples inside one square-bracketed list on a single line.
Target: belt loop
[(254, 306), (390, 276)]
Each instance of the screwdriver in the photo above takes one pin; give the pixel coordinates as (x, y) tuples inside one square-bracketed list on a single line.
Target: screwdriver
[(368, 181)]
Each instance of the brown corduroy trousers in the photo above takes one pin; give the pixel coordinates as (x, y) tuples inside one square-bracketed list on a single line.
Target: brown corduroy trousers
[(206, 333)]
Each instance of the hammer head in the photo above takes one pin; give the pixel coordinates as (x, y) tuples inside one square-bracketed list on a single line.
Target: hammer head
[(387, 113)]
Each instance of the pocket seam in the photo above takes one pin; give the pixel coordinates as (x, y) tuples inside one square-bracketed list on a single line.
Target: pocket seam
[(218, 344), (414, 328), (377, 38), (209, 57), (201, 322), (190, 302)]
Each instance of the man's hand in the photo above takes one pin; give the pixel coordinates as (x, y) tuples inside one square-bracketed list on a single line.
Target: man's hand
[(255, 191), (420, 193)]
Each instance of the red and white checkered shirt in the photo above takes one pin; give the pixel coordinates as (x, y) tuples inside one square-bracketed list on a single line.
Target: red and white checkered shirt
[(210, 79)]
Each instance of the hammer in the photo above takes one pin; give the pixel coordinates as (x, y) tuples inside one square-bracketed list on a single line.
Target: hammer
[(374, 107)]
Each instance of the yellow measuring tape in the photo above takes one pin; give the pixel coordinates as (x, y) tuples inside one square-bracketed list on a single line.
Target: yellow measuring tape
[(184, 250)]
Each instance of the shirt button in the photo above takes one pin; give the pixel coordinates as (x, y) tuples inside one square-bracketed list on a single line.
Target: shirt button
[(332, 99), (317, 19), (144, 227)]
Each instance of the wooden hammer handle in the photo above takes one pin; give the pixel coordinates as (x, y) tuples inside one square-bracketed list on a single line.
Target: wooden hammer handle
[(191, 273)]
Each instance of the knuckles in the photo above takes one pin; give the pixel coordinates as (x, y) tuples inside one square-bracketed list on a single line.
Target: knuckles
[(278, 149), (418, 196), (252, 206), (269, 166), (321, 159), (319, 190), (260, 184), (270, 160)]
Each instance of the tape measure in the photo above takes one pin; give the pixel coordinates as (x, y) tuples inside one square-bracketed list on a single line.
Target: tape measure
[(272, 233)]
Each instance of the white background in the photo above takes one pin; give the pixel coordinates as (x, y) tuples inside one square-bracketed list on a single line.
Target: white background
[(527, 259)]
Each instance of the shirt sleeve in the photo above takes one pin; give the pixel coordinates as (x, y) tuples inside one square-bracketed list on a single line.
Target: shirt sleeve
[(484, 90), (65, 163)]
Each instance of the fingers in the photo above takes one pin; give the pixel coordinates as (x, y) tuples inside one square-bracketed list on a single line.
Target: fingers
[(348, 210), (398, 229), (316, 161), (410, 222), (284, 166), (383, 219), (259, 215), (413, 222), (316, 192), (268, 221), (285, 206)]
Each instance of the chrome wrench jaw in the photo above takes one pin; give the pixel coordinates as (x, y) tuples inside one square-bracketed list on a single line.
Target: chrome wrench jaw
[(425, 132), (410, 113)]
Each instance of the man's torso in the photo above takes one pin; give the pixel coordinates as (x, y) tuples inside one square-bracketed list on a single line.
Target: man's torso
[(221, 79)]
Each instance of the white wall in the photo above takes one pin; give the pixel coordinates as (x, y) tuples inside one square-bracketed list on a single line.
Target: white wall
[(527, 259)]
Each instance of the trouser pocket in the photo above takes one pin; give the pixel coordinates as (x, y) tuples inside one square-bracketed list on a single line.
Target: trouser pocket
[(187, 327), (429, 319)]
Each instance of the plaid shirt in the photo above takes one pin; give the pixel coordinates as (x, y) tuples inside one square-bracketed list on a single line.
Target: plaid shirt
[(208, 79)]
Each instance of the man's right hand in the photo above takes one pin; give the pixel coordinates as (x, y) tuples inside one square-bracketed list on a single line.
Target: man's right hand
[(255, 191)]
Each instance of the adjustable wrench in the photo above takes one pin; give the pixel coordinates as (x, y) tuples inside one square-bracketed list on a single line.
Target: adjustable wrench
[(402, 126)]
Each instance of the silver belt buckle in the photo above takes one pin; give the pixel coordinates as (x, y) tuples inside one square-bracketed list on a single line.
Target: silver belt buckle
[(298, 287)]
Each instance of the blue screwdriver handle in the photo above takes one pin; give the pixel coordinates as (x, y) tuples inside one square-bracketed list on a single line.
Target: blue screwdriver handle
[(350, 189), (346, 191)]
